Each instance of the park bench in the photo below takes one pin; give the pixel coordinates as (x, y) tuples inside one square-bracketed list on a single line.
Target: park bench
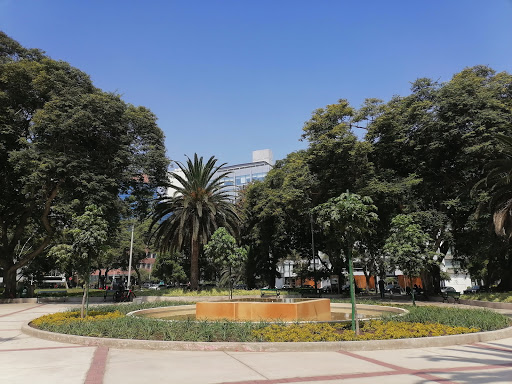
[(58, 293), (447, 295), (269, 292), (310, 292)]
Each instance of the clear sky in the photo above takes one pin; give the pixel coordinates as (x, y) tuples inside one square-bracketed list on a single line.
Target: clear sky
[(228, 77)]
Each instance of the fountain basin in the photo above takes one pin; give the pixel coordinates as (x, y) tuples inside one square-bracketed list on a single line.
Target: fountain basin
[(339, 312), (265, 309)]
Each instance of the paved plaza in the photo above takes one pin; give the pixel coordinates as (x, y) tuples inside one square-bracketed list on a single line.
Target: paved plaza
[(26, 359)]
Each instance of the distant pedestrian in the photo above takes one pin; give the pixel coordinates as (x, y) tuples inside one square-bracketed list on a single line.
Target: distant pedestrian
[(381, 288)]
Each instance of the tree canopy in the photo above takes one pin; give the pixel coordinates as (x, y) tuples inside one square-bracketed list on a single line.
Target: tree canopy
[(65, 144), (197, 208), (421, 155)]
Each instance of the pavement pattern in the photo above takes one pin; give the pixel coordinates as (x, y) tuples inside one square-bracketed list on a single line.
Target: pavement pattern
[(26, 359)]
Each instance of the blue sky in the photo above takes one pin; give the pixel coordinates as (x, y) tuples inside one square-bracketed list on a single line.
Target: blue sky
[(229, 77)]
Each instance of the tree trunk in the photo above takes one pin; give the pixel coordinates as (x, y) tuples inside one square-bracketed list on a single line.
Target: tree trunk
[(355, 321), (10, 283), (412, 291), (101, 279), (367, 278), (106, 277), (194, 266), (82, 308), (139, 278)]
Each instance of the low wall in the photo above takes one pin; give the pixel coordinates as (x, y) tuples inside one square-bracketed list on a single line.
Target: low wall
[(486, 304)]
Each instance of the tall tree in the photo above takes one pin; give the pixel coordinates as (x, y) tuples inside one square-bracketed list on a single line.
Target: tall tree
[(443, 135), (498, 182), (196, 209), (408, 248), (168, 268), (335, 156), (81, 245), (64, 145), (227, 258), (353, 217), (89, 234), (277, 214)]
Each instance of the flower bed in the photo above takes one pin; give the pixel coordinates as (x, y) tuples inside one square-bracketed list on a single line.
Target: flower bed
[(371, 330), (110, 321)]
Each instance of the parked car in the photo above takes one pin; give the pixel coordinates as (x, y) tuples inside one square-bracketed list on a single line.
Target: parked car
[(346, 288), (157, 287), (392, 288), (448, 289), (474, 289)]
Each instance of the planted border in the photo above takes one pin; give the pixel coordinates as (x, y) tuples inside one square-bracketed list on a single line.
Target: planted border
[(420, 322)]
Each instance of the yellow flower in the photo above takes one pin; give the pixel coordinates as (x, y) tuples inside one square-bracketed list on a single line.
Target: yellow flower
[(70, 317)]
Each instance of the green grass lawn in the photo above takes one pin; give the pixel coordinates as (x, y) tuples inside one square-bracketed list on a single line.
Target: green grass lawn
[(498, 297), (502, 297), (173, 292)]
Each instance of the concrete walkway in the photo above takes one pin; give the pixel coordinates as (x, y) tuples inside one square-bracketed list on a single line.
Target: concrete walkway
[(25, 359)]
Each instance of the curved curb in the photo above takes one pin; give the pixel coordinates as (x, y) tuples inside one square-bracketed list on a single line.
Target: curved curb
[(395, 311), (486, 304), (370, 345)]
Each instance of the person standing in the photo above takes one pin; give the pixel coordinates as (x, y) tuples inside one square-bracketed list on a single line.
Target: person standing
[(381, 288)]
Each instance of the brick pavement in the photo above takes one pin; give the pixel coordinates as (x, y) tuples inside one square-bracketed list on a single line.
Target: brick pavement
[(26, 359)]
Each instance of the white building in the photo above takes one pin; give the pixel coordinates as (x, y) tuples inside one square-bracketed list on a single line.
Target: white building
[(240, 175), (459, 278)]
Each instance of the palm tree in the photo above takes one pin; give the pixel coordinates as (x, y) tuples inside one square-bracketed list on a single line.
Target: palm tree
[(499, 180), (196, 209)]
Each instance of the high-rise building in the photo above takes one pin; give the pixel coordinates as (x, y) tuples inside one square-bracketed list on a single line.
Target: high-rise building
[(242, 174), (239, 175)]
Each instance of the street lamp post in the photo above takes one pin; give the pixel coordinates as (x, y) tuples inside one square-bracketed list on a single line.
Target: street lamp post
[(130, 262), (313, 250)]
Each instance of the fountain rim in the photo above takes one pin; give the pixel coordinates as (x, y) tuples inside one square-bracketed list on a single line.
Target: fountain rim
[(397, 312)]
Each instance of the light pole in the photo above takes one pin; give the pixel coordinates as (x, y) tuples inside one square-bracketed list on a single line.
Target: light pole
[(130, 262), (313, 249)]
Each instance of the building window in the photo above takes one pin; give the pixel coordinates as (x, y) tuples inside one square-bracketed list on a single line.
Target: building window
[(227, 181), (242, 180), (259, 176)]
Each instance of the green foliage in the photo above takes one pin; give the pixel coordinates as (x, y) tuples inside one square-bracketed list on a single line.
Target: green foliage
[(408, 246), (349, 215), (496, 297), (214, 291), (348, 218), (130, 307), (85, 242), (371, 330), (168, 268), (89, 233), (65, 145), (335, 156), (483, 319), (223, 253), (421, 321), (277, 217), (498, 184), (445, 134), (196, 209), (117, 252)]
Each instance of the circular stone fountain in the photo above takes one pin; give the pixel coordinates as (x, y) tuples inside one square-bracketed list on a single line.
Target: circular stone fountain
[(268, 309)]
